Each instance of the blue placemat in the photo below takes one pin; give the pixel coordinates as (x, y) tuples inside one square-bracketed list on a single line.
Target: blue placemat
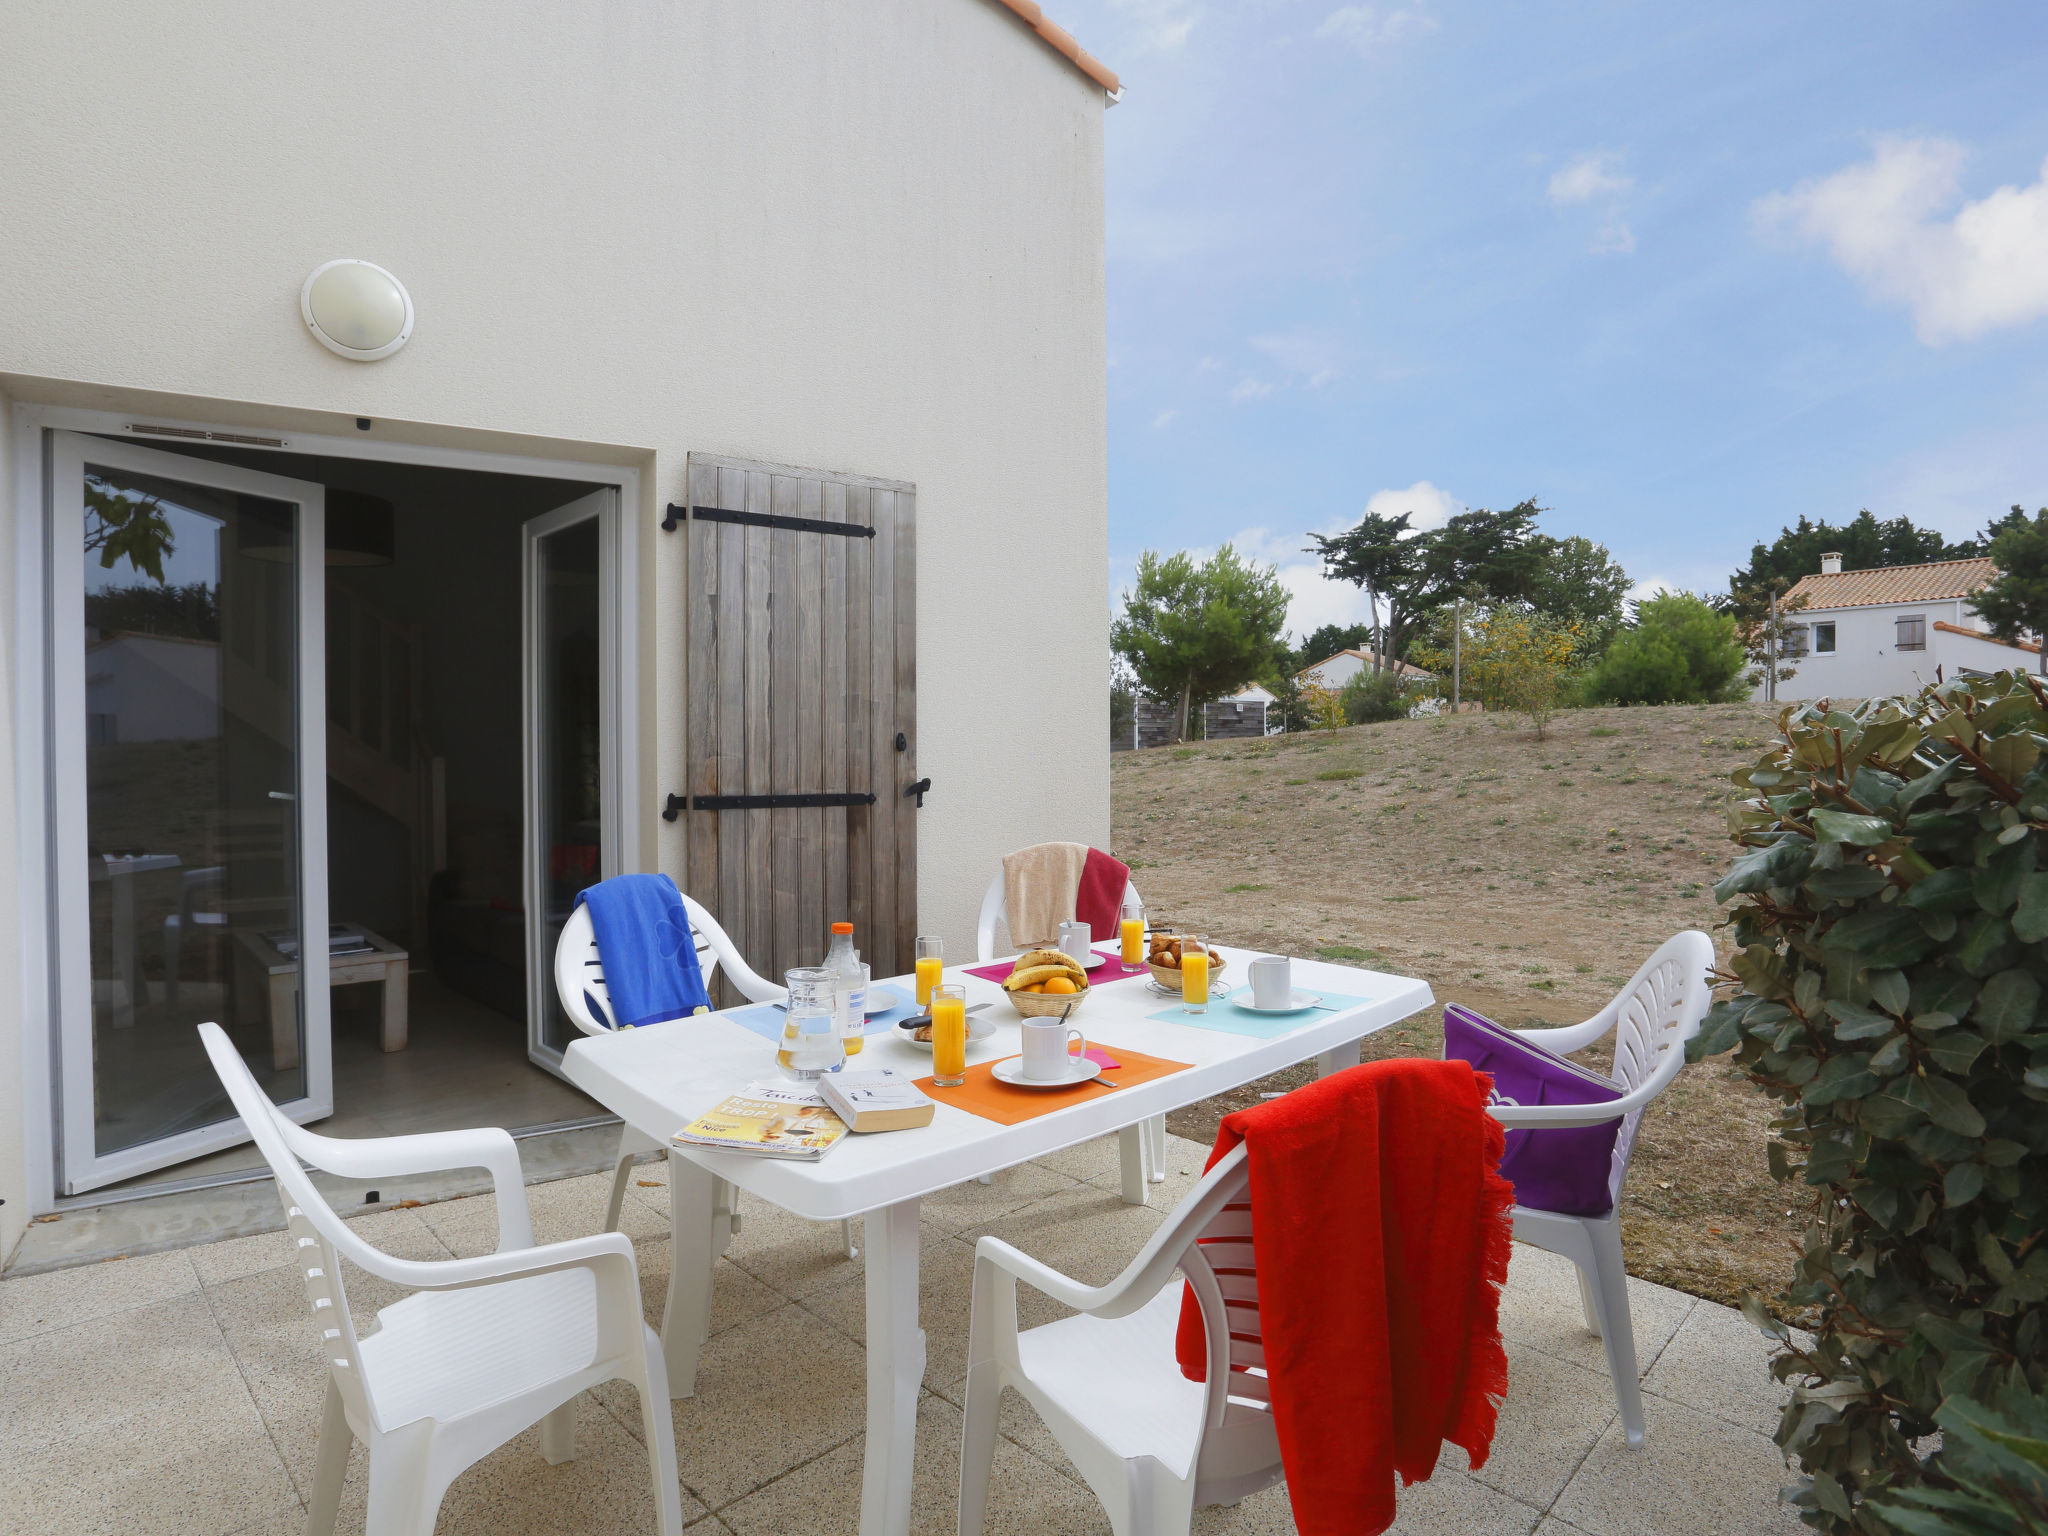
[(765, 1019), (1227, 1020)]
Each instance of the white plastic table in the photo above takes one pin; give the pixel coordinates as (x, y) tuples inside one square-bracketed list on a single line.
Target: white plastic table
[(661, 1076)]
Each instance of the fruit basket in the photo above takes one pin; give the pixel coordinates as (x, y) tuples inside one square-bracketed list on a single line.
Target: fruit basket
[(1039, 967)]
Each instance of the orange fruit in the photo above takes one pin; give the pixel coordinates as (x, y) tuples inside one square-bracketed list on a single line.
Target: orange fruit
[(1058, 984)]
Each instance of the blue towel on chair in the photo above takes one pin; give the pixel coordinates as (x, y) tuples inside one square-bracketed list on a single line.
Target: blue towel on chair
[(644, 945)]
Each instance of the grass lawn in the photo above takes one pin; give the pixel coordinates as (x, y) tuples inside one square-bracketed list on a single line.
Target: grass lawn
[(1524, 878)]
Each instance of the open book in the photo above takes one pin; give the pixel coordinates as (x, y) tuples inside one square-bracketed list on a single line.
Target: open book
[(770, 1120)]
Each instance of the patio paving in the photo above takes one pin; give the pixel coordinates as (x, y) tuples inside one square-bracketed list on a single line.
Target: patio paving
[(180, 1392)]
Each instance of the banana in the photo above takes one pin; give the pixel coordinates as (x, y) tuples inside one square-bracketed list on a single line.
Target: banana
[(1038, 973)]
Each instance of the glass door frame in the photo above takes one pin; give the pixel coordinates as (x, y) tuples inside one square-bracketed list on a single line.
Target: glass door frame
[(81, 1165), (603, 506)]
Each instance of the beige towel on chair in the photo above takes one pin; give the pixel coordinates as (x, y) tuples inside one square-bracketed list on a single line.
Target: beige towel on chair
[(1038, 890)]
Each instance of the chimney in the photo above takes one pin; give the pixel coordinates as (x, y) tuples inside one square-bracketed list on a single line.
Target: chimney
[(1831, 565)]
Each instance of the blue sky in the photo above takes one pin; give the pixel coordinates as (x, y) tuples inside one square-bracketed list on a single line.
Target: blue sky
[(1682, 274)]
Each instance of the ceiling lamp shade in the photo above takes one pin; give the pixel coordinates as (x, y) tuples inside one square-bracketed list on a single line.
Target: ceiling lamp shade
[(361, 530), (357, 309)]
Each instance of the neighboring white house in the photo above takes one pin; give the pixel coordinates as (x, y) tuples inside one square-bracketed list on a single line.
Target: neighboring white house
[(1337, 670), (589, 422), (1864, 633)]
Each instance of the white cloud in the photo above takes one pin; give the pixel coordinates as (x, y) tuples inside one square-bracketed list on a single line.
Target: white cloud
[(1164, 418), (1161, 25), (1312, 355), (1249, 388), (1589, 179), (1597, 178), (1365, 29), (1426, 506), (1984, 268), (1643, 591)]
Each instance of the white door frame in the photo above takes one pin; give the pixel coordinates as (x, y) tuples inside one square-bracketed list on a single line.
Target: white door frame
[(33, 427), (83, 1166), (603, 505)]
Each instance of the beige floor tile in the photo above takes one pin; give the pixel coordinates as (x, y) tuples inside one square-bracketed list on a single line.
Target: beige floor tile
[(1552, 1526), (269, 1327), (1540, 1307), (1694, 1475), (735, 1295), (137, 1421), (561, 1209), (945, 1297), (1552, 1415), (975, 1204), (1093, 1161), (794, 1256), (772, 1394), (1086, 1232), (513, 1491), (1454, 1504), (61, 1298), (235, 1257), (1026, 1497), (1719, 1364)]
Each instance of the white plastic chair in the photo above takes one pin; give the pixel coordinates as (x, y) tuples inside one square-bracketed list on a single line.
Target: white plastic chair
[(1152, 1444), (1651, 1018), (485, 1348), (1142, 1146), (579, 983)]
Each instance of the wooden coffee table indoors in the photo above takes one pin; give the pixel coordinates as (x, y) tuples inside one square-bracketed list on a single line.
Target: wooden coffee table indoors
[(384, 961)]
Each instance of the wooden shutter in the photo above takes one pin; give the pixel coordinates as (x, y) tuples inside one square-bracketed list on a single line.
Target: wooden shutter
[(802, 674)]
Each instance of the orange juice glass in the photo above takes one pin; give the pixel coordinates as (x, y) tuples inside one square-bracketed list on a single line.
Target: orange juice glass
[(1194, 973), (1132, 932), (949, 1036), (931, 965)]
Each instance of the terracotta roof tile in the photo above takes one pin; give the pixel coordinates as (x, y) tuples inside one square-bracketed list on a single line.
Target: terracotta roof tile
[(1062, 42), (1930, 583), (1978, 634)]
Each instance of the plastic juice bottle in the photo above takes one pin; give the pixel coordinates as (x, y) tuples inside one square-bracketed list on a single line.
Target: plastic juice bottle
[(929, 969), (949, 1037), (843, 960), (1194, 976), (1133, 935)]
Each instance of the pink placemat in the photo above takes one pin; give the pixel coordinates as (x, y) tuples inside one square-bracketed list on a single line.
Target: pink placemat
[(1112, 969)]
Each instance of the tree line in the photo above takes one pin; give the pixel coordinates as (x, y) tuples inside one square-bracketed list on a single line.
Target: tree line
[(1499, 611)]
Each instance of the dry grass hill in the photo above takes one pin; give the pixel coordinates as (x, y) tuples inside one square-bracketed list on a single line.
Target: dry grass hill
[(1525, 878)]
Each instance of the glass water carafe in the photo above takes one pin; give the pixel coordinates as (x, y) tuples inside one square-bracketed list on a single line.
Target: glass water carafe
[(811, 1044)]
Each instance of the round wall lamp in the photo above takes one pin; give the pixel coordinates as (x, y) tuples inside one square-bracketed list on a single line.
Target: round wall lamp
[(357, 309)]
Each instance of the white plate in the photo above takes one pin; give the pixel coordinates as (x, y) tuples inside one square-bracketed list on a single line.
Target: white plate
[(1301, 1002), (1011, 1071), (978, 1031), (883, 999)]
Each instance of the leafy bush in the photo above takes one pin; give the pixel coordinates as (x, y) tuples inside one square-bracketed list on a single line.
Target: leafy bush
[(1997, 1465), (1513, 658), (1889, 914), (1374, 696), (1678, 651)]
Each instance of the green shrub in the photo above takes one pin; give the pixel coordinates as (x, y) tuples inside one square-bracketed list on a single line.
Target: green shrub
[(1890, 911), (1996, 1466), (1372, 697), (1678, 651)]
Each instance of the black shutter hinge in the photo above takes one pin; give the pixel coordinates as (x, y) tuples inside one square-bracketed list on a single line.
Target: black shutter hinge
[(677, 804)]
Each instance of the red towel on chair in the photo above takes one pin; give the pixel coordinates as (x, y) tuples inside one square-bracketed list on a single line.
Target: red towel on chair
[(1099, 902), (1380, 1227)]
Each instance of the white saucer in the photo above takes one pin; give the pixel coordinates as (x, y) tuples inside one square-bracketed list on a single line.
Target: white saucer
[(1011, 1070), (1299, 1002), (1096, 958), (883, 1000)]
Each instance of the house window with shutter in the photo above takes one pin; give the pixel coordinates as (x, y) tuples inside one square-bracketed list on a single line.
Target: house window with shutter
[(1823, 639), (1912, 632)]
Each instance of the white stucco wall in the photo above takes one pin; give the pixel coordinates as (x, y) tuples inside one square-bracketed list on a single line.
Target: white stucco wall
[(865, 238), (1866, 661), (16, 945)]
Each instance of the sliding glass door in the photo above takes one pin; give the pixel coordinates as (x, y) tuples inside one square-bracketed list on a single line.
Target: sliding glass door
[(189, 773)]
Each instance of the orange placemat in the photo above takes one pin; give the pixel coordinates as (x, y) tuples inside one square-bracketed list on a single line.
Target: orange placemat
[(983, 1095)]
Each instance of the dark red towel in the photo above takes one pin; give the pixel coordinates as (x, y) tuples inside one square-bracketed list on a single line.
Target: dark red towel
[(1381, 1229), (1100, 900)]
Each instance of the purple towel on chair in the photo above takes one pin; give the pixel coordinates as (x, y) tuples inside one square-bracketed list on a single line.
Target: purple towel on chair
[(1564, 1169)]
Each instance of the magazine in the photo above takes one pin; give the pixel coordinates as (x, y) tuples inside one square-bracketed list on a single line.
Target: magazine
[(769, 1120)]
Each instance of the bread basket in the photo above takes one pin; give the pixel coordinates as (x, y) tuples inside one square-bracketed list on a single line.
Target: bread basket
[(1168, 976)]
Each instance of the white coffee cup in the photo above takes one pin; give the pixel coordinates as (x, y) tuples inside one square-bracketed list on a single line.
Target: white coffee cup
[(1075, 940), (1045, 1049), (1272, 982)]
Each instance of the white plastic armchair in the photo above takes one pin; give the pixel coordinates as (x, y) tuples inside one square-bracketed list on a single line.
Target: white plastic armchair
[(579, 984), (1651, 1018), (1152, 1444), (1142, 1146), (484, 1349)]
